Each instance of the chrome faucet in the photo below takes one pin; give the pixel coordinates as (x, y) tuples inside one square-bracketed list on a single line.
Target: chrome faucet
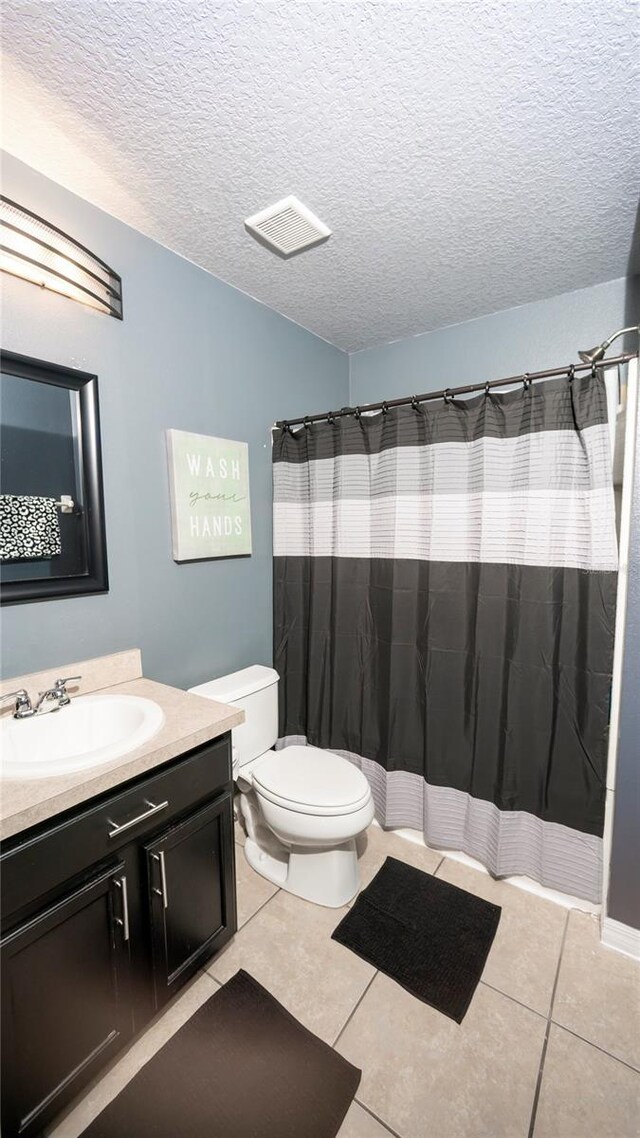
[(57, 694), (23, 708)]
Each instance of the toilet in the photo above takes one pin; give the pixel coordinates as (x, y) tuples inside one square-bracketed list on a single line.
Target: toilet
[(302, 807)]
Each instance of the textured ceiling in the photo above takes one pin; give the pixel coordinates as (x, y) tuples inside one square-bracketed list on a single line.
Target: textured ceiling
[(467, 156)]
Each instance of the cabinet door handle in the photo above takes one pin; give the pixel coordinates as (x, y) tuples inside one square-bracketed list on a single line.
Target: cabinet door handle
[(163, 878), (124, 920), (119, 828)]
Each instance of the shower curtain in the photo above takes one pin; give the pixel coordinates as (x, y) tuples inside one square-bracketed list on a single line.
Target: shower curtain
[(444, 596)]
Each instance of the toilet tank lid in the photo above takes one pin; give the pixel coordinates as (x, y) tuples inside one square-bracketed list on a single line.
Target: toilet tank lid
[(237, 685)]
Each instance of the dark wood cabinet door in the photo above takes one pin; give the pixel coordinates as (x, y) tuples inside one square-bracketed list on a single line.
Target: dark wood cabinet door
[(65, 999), (191, 883)]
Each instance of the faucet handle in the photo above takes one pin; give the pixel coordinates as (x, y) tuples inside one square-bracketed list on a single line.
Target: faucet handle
[(23, 706), (67, 680), (60, 690)]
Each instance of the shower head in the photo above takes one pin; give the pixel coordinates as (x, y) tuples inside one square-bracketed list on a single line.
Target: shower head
[(595, 355)]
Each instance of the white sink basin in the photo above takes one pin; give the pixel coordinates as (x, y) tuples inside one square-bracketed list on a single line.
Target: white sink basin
[(89, 731)]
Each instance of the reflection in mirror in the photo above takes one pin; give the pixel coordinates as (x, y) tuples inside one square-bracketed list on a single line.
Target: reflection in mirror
[(51, 524), (40, 459)]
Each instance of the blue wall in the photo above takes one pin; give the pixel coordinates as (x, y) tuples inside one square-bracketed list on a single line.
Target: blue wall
[(547, 333), (191, 353)]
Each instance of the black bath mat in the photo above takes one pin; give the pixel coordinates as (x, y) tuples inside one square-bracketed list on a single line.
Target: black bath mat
[(241, 1067), (429, 936)]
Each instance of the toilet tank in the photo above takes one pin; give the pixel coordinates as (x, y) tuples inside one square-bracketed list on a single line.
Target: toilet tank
[(255, 690)]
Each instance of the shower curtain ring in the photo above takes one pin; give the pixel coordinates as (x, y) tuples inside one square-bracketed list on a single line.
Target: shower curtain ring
[(486, 388), (385, 408), (306, 422), (286, 428), (331, 418), (415, 403), (593, 370), (357, 413), (448, 397), (526, 382), (571, 372)]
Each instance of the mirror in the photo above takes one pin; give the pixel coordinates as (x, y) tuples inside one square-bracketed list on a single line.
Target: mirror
[(52, 538)]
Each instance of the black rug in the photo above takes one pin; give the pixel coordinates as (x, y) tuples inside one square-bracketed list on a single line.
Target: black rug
[(241, 1067), (429, 936)]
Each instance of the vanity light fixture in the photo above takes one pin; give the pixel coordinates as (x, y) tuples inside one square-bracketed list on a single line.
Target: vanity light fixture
[(37, 251)]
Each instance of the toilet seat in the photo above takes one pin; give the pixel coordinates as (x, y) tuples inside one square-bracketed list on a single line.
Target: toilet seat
[(310, 781)]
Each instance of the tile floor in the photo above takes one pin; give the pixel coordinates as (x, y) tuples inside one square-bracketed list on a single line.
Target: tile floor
[(550, 1047)]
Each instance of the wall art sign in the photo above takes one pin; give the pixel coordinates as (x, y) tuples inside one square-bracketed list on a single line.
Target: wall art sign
[(209, 489)]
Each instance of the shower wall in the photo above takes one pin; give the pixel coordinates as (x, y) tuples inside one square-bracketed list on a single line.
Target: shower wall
[(546, 333)]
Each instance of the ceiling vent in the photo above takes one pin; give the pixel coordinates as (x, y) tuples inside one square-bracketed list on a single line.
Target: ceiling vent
[(287, 227)]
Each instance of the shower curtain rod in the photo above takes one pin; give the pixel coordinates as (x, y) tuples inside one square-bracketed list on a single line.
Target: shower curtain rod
[(449, 393)]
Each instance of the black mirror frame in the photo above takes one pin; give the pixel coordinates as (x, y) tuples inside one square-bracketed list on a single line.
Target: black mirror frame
[(96, 578)]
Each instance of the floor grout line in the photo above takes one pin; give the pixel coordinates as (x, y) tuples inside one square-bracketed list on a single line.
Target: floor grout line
[(543, 1055), (555, 983), (443, 858), (242, 927), (590, 1043), (354, 1009), (203, 972), (515, 1000), (371, 1112)]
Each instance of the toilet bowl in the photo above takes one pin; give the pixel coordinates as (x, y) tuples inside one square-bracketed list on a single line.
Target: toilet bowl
[(315, 804), (302, 807)]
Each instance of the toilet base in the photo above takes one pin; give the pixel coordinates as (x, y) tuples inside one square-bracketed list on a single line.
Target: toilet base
[(324, 876)]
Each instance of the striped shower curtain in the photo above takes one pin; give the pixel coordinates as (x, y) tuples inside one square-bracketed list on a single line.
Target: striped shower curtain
[(444, 592)]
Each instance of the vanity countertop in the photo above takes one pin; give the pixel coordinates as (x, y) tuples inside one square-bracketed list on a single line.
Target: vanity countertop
[(189, 721)]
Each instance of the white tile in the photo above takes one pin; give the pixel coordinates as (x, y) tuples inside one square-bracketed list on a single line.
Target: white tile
[(523, 960), (359, 1123), (428, 1077), (598, 993), (288, 948), (585, 1093)]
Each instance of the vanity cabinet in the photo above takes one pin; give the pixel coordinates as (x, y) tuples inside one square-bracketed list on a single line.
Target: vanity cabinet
[(186, 872), (65, 978), (106, 912)]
